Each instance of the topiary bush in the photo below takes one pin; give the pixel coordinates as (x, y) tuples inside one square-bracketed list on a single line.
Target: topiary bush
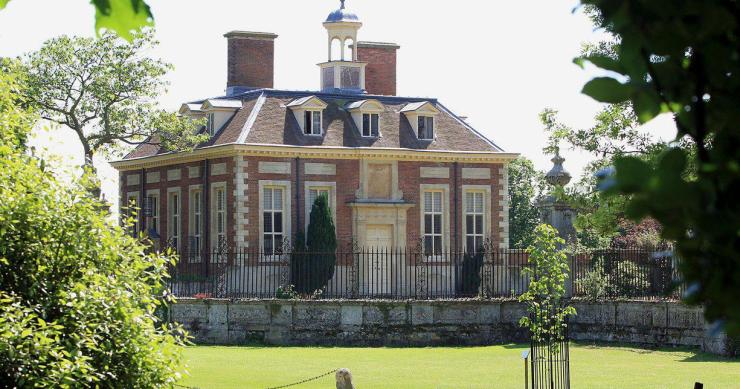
[(77, 294), (313, 268), (470, 274)]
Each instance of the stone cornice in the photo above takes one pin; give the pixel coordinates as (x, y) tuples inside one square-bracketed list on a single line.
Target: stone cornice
[(314, 152)]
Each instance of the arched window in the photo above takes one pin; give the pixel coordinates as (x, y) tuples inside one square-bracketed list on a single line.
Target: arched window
[(349, 45), (336, 49)]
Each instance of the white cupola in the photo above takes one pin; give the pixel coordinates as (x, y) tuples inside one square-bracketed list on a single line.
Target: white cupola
[(342, 72)]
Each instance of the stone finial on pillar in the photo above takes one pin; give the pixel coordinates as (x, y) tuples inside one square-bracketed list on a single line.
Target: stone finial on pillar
[(553, 211)]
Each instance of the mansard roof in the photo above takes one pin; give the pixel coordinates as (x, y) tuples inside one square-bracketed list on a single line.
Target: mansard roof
[(263, 117)]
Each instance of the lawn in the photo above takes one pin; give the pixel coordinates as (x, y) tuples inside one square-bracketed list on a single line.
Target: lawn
[(452, 367)]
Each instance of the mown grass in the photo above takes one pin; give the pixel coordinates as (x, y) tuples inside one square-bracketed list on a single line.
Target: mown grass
[(592, 366)]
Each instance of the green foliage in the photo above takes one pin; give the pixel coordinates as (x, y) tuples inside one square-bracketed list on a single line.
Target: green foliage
[(107, 92), (470, 274), (682, 58), (77, 295), (121, 16), (16, 117), (286, 293), (525, 185), (545, 298), (629, 280), (615, 133), (594, 284), (313, 268)]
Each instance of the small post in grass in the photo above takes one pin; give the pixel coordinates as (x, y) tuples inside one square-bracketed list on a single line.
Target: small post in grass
[(344, 379), (698, 385), (525, 356)]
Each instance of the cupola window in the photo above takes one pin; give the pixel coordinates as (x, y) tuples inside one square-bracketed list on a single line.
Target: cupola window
[(312, 123), (370, 124)]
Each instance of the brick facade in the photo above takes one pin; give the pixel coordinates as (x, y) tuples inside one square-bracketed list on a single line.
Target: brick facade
[(380, 72), (242, 175)]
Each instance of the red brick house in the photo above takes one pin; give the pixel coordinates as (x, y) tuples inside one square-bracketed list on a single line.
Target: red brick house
[(397, 170)]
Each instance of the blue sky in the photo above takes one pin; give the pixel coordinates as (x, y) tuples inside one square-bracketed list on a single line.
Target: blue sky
[(497, 62)]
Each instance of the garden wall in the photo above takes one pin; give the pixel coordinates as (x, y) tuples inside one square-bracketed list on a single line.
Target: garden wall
[(426, 323)]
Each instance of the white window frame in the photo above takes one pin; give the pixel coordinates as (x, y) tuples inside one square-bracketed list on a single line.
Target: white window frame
[(444, 189), (370, 116), (215, 212), (211, 123), (325, 185), (286, 187), (134, 212), (485, 191), (174, 215), (152, 196), (194, 206), (426, 119), (309, 128)]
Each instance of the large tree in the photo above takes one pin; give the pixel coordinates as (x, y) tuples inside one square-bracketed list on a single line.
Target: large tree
[(682, 58), (525, 186), (106, 91), (77, 294)]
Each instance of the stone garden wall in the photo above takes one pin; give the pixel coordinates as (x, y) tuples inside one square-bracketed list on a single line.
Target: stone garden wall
[(425, 323)]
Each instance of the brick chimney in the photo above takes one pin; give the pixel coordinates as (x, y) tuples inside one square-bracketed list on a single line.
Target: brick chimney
[(380, 72), (250, 60)]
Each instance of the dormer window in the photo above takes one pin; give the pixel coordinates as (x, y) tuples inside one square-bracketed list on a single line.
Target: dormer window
[(366, 115), (426, 127), (370, 124), (312, 123), (421, 118), (307, 111), (216, 111), (211, 123)]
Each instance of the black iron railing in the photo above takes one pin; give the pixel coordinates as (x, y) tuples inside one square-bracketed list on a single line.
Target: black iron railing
[(399, 273)]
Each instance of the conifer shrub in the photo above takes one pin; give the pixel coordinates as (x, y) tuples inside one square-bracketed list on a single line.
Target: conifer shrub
[(313, 267)]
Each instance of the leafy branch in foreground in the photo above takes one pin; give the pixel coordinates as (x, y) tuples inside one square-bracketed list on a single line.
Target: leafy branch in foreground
[(681, 58), (124, 17)]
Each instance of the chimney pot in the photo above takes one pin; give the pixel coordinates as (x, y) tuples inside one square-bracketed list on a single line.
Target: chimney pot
[(380, 72), (250, 60)]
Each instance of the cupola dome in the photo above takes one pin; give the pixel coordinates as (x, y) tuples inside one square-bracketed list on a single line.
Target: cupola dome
[(342, 16)]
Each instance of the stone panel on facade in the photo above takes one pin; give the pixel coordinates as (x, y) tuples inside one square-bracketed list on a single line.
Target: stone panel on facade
[(173, 174), (434, 172), (274, 167), (152, 177), (133, 179), (476, 173), (327, 169)]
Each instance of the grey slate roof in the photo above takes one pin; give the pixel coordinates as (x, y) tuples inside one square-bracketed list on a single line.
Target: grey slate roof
[(264, 118)]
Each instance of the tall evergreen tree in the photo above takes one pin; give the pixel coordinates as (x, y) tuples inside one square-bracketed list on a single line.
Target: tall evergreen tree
[(317, 266)]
